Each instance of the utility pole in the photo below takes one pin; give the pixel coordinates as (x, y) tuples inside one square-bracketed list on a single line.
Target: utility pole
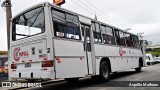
[(8, 18), (7, 4)]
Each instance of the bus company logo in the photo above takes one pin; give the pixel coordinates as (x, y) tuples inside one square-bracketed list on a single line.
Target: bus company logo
[(17, 54), (121, 51)]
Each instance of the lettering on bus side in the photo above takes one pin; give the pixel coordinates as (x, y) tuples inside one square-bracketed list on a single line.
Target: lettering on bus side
[(121, 51)]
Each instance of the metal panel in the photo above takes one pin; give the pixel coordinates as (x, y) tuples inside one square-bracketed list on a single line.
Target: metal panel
[(71, 61), (70, 67), (68, 48)]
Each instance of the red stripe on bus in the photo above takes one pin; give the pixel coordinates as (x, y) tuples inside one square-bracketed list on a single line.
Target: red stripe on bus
[(45, 58), (57, 59)]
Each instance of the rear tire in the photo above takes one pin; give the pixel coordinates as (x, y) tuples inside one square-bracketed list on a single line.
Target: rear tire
[(139, 69), (72, 79), (104, 72)]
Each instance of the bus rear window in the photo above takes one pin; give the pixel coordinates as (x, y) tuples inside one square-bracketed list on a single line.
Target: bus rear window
[(28, 24)]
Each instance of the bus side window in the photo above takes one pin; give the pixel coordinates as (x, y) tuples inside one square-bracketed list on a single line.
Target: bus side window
[(59, 29), (110, 35), (135, 41), (104, 35), (59, 23), (117, 37), (129, 41), (96, 33), (58, 16), (65, 25), (120, 38), (77, 34), (72, 31)]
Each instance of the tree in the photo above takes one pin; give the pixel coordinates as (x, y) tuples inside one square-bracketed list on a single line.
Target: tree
[(3, 52)]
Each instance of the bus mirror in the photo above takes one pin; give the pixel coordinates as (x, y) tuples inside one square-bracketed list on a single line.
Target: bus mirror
[(146, 42)]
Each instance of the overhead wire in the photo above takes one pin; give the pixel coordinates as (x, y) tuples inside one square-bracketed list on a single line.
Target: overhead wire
[(104, 18), (82, 7), (104, 13), (91, 11)]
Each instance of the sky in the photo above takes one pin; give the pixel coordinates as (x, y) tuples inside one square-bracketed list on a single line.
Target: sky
[(142, 16)]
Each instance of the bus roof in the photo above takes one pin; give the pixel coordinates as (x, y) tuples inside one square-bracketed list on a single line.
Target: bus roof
[(63, 9)]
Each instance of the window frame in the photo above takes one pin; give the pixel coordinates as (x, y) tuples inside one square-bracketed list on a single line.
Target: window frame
[(113, 35), (138, 46), (67, 24), (131, 39), (108, 34), (96, 31), (14, 26), (119, 37)]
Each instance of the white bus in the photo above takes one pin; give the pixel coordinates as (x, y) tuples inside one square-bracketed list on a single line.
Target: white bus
[(49, 42)]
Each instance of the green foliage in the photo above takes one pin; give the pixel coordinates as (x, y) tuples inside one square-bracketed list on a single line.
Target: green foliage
[(157, 50), (3, 52), (155, 53)]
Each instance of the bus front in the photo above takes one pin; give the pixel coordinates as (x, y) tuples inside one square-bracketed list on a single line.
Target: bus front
[(31, 47)]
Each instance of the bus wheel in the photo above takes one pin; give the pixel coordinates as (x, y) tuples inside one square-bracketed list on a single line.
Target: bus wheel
[(139, 69), (71, 79), (104, 71)]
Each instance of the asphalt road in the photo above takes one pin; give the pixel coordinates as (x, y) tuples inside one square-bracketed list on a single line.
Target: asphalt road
[(120, 81)]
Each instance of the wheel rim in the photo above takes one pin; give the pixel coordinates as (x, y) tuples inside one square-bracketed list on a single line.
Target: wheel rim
[(104, 71)]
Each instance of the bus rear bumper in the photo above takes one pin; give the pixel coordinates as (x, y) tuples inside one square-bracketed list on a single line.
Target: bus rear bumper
[(32, 74)]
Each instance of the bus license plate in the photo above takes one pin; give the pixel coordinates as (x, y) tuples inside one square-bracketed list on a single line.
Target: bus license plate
[(27, 65)]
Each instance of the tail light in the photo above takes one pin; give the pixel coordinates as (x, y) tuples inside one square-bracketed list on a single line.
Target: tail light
[(47, 64), (13, 66)]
